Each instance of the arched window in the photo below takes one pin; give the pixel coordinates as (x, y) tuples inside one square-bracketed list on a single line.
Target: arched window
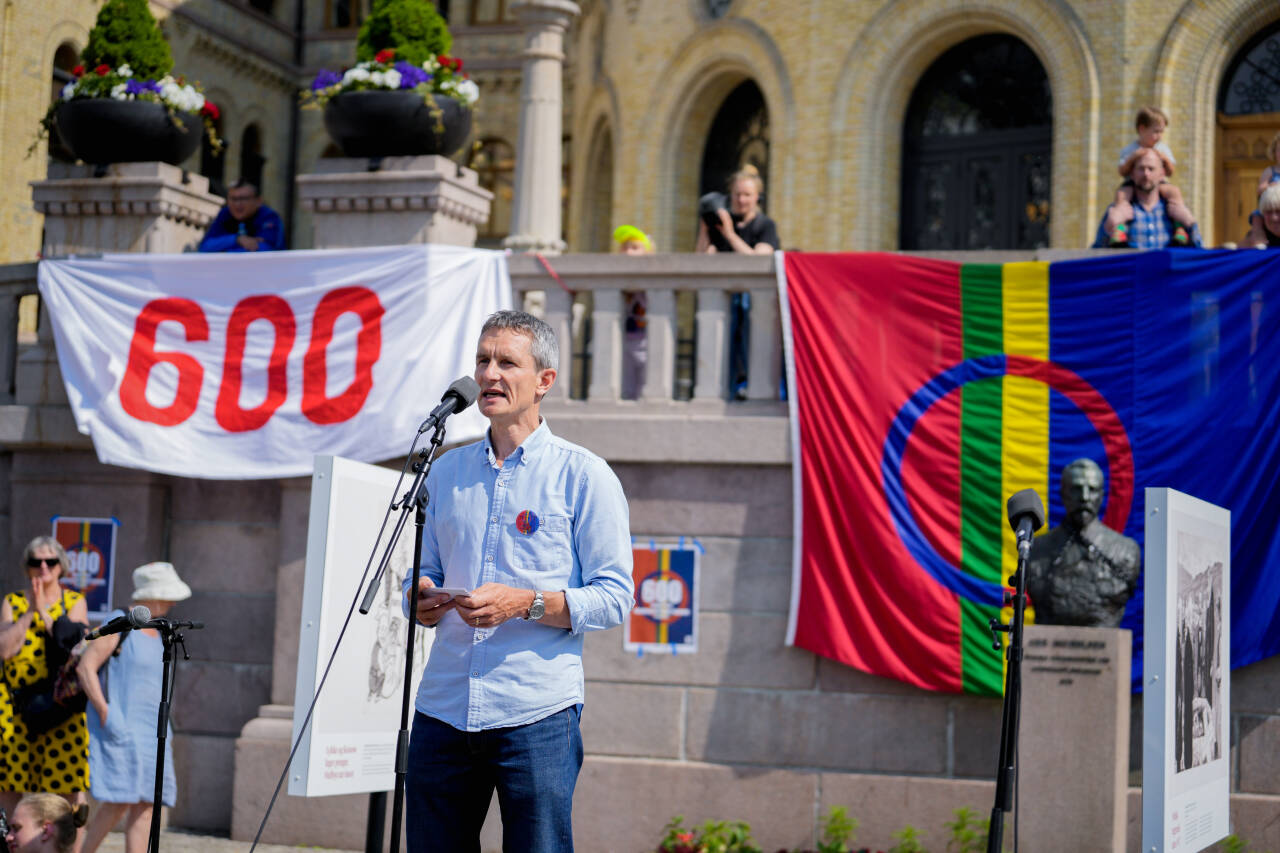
[(976, 148), (251, 159), (739, 136), (65, 58), (1248, 120), (495, 163)]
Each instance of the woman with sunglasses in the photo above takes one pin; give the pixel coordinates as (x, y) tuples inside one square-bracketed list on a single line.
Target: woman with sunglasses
[(55, 761)]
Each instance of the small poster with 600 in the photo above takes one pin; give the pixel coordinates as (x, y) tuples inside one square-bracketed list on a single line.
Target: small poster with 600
[(91, 550), (665, 617)]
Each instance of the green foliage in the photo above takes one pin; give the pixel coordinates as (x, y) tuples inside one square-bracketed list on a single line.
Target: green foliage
[(838, 829), (676, 838), (967, 835), (714, 836), (127, 34), (413, 28), (1235, 844), (908, 839), (725, 836)]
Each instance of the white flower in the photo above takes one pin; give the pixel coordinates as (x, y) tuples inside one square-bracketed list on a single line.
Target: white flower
[(118, 92), (68, 90), (125, 70), (378, 79), (356, 75), (468, 91), (391, 78), (430, 64)]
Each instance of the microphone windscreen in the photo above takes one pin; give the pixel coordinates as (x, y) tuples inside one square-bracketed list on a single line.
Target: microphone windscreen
[(1026, 503), (465, 389), (139, 616)]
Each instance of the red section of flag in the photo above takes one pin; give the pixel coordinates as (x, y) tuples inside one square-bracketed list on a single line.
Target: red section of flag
[(644, 563), (867, 331)]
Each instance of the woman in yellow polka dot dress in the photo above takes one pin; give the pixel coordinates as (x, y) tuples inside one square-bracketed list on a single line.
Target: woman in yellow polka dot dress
[(56, 761)]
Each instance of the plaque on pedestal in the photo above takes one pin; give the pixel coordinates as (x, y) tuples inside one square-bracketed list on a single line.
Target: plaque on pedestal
[(1074, 741)]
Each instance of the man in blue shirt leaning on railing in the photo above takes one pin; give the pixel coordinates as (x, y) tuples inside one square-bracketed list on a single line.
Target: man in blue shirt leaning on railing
[(1151, 226), (245, 224), (536, 530)]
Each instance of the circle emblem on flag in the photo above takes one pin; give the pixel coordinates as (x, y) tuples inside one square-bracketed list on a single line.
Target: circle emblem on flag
[(1087, 399), (527, 522)]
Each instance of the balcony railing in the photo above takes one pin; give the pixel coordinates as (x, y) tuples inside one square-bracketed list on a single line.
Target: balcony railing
[(685, 410)]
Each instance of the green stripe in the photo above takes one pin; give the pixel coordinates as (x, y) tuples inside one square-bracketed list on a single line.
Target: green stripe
[(981, 506)]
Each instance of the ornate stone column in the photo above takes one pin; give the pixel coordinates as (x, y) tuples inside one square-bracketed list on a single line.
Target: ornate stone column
[(535, 213)]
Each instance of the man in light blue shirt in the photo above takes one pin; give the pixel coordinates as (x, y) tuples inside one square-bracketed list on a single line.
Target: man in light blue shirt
[(536, 529)]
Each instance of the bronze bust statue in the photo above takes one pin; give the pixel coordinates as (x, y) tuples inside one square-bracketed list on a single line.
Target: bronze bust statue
[(1082, 572)]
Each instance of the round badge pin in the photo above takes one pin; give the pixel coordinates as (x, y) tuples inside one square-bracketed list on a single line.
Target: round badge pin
[(527, 522)]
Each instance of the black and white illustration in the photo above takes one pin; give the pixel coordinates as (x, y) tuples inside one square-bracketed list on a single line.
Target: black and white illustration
[(1199, 721)]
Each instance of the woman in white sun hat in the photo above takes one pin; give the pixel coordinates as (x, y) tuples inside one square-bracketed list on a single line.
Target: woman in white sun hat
[(124, 699)]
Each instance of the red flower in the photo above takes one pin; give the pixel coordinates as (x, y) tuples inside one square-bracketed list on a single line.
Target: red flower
[(457, 64), (211, 110), (385, 55), (103, 70), (77, 71)]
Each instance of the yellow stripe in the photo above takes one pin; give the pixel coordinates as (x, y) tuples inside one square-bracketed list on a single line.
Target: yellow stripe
[(1025, 416), (664, 569)]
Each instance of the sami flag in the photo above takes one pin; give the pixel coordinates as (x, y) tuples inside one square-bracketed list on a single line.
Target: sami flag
[(926, 392)]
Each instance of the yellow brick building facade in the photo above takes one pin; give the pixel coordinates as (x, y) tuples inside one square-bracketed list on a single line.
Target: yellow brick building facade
[(647, 77)]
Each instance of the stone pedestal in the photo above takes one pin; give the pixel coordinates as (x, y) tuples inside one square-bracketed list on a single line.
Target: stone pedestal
[(1074, 747), (133, 207), (406, 200)]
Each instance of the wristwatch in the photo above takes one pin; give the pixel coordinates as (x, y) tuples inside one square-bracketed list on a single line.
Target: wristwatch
[(536, 609)]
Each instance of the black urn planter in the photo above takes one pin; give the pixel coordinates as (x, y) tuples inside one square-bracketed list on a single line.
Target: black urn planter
[(104, 130), (377, 123)]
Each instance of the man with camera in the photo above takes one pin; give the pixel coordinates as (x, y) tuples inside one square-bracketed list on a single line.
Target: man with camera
[(741, 227)]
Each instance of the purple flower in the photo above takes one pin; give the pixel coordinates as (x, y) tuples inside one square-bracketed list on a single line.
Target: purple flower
[(134, 86), (411, 75), (325, 79)]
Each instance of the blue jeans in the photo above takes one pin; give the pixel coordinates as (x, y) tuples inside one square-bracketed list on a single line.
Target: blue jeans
[(452, 776)]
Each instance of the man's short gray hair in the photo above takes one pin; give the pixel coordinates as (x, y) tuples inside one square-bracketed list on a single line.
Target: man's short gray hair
[(545, 346), (1270, 199)]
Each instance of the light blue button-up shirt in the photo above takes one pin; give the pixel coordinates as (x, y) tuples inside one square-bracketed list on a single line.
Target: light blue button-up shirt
[(551, 517)]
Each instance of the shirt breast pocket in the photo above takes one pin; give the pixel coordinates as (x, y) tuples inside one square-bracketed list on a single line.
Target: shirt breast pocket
[(546, 550)]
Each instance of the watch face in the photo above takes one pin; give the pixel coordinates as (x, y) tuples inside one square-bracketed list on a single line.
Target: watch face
[(537, 608)]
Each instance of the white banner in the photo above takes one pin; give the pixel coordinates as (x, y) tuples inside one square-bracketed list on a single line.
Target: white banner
[(244, 366)]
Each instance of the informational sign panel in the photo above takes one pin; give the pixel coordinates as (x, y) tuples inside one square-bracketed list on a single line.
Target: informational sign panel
[(350, 745), (665, 616), (1187, 683), (91, 548)]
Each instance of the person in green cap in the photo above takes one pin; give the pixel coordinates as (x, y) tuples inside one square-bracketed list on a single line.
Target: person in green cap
[(635, 354)]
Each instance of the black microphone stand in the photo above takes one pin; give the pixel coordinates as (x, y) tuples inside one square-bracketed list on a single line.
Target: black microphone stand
[(416, 497), (1006, 769), (170, 635)]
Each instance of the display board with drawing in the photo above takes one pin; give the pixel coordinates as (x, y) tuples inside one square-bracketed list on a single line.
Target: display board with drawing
[(350, 745), (1187, 684)]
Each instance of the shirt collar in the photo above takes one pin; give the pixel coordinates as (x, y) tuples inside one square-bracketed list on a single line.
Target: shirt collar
[(528, 449)]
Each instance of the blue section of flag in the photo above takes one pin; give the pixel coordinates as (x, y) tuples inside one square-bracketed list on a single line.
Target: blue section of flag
[(1185, 346)]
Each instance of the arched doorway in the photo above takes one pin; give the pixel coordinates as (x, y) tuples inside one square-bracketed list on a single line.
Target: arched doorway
[(1248, 119), (251, 159), (976, 150), (739, 135)]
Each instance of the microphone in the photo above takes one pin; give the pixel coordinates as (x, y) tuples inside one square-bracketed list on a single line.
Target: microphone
[(461, 393), (1026, 516), (135, 618)]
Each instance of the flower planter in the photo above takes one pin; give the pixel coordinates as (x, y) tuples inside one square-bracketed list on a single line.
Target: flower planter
[(376, 123), (104, 130)]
